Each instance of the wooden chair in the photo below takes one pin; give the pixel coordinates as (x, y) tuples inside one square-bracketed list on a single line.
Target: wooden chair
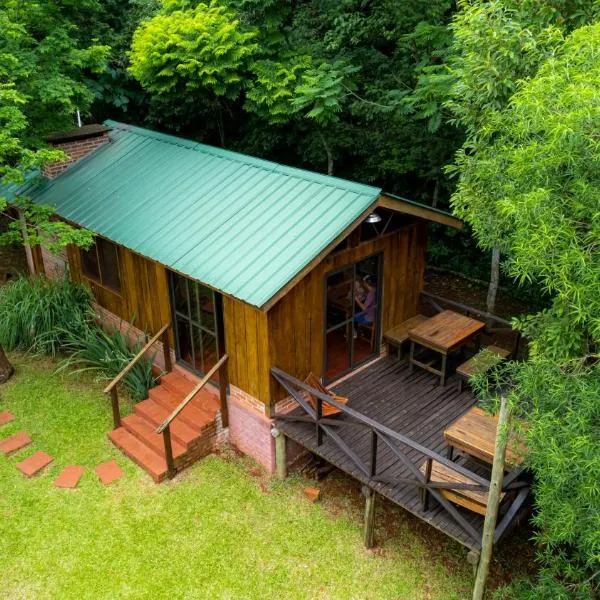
[(481, 363), (473, 500), (327, 409), (398, 335)]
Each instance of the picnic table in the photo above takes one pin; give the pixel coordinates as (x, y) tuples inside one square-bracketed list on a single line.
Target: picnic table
[(475, 434), (444, 333)]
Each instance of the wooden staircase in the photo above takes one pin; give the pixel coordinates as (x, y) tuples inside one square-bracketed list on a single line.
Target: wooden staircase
[(192, 431)]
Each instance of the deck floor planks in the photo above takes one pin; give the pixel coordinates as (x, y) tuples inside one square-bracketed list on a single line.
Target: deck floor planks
[(412, 404)]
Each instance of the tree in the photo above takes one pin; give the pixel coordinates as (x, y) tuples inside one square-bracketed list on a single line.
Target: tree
[(494, 45), (321, 83), (533, 175), (43, 68)]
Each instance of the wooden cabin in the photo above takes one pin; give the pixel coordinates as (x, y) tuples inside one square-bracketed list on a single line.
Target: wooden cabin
[(241, 256), (249, 278)]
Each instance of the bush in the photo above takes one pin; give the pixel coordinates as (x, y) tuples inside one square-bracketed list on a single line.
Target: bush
[(109, 354), (41, 314)]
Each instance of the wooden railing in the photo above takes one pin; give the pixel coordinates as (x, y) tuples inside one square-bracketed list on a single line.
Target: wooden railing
[(396, 442), (494, 323), (112, 387), (165, 426)]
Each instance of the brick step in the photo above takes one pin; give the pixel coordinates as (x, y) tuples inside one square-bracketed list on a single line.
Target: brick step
[(180, 386), (146, 432), (193, 414), (141, 454), (14, 442), (155, 414)]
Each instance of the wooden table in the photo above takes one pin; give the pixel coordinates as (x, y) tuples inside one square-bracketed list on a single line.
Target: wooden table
[(445, 332), (475, 433)]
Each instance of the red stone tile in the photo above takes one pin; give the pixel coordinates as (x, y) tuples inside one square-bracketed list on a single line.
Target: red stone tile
[(35, 463), (6, 417), (14, 442), (109, 472), (69, 477)]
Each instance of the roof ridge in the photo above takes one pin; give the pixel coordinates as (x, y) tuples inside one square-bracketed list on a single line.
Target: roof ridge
[(247, 159)]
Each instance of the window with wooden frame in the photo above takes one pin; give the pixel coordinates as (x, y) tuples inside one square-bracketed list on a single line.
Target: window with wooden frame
[(101, 264)]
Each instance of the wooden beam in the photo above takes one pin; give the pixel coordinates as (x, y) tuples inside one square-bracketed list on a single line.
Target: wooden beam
[(423, 212)]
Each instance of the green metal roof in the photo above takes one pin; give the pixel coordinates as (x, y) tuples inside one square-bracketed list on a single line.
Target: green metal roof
[(239, 224)]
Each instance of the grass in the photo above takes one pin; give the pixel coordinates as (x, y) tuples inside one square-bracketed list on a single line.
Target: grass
[(223, 529)]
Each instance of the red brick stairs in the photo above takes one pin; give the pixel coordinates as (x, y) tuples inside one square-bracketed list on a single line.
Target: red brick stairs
[(192, 431)]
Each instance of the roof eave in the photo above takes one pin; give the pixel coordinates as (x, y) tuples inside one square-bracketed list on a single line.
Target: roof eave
[(409, 207)]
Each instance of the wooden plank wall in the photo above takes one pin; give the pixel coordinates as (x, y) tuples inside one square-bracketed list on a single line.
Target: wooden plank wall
[(295, 323), (144, 297), (246, 343)]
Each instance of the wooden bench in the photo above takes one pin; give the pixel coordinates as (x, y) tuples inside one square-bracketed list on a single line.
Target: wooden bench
[(473, 500), (481, 363), (398, 335)]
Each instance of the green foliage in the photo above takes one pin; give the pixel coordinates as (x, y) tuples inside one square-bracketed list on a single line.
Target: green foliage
[(529, 182), (108, 354), (185, 50), (41, 315)]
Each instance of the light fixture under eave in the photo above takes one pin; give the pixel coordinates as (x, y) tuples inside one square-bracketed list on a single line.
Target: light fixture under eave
[(373, 218)]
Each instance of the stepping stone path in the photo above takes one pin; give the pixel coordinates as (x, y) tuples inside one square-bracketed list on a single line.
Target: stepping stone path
[(69, 477), (34, 464), (109, 472), (14, 442), (6, 417)]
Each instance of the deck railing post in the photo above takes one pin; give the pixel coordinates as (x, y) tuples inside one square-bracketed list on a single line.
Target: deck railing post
[(223, 385), (373, 452), (424, 490), (318, 421), (166, 342), (114, 396), (169, 452)]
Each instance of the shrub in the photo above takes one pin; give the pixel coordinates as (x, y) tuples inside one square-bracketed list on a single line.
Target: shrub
[(40, 314), (109, 354)]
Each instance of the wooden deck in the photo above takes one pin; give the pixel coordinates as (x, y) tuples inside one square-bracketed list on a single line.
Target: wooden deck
[(413, 405)]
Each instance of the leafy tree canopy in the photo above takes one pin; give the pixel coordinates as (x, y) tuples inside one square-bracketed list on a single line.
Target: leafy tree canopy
[(534, 175)]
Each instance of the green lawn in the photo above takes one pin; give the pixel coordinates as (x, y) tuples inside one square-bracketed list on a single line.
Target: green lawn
[(221, 530)]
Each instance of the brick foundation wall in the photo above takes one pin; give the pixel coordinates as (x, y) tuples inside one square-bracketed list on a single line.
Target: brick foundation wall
[(250, 429), (55, 265)]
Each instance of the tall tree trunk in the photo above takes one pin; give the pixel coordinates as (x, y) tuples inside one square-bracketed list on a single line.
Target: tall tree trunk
[(494, 280), (329, 154), (6, 369), (436, 194)]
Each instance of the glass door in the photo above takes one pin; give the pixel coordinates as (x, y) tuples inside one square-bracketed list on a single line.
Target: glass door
[(197, 323), (352, 308)]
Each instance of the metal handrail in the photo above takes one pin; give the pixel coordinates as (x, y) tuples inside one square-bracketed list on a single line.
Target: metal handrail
[(137, 357), (191, 395)]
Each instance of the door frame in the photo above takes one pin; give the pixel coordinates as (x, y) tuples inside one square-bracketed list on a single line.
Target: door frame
[(219, 332), (377, 334)]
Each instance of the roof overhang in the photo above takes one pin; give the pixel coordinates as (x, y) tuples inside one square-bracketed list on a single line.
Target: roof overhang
[(409, 207)]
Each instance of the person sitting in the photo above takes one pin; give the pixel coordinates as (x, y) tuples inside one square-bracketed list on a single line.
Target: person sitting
[(366, 303)]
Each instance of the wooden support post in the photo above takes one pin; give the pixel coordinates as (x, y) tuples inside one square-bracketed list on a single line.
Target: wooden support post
[(166, 342), (223, 385), (114, 396), (473, 559), (169, 452), (369, 534), (491, 514), (280, 453)]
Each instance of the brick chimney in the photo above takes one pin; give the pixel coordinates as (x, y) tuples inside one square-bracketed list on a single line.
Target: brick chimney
[(76, 143)]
